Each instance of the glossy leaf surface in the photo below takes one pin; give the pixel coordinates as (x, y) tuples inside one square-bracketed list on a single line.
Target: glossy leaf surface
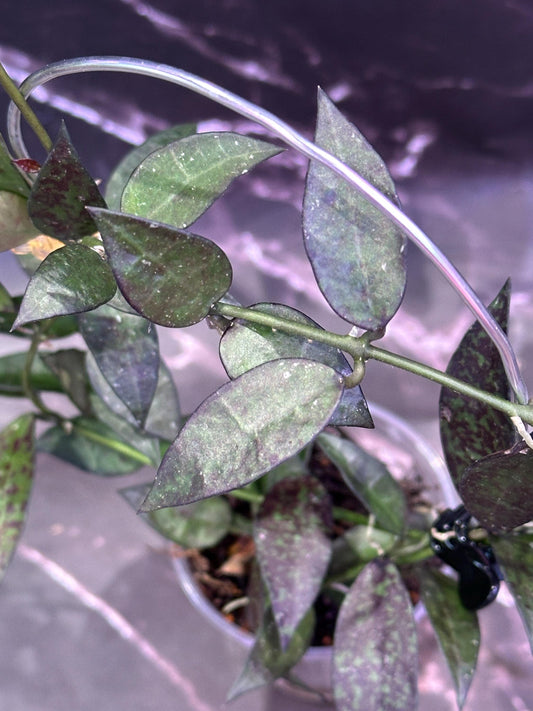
[(375, 655), (10, 178), (498, 489), (197, 525), (62, 191), (170, 277), (515, 555), (369, 479), (457, 628), (294, 517), (246, 345), (267, 661), (126, 350), (16, 475), (16, 228), (177, 183), (356, 252), (122, 173), (469, 429), (91, 446), (71, 280), (246, 428)]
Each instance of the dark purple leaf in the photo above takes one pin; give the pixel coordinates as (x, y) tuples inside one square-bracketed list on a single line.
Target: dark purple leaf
[(498, 489), (61, 193), (469, 429), (294, 517), (375, 658)]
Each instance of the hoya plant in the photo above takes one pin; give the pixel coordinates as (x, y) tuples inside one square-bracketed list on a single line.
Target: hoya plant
[(113, 264)]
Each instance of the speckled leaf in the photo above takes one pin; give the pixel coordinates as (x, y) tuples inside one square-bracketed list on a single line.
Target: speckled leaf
[(122, 173), (69, 366), (356, 252), (267, 661), (70, 280), (91, 446), (469, 429), (41, 378), (515, 555), (62, 191), (246, 345), (164, 417), (246, 428), (16, 228), (126, 350), (457, 628), (498, 489), (369, 479), (375, 656), (295, 516), (16, 475), (177, 183), (10, 178), (168, 276)]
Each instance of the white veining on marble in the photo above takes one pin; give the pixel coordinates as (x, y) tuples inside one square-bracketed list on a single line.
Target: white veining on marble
[(116, 621)]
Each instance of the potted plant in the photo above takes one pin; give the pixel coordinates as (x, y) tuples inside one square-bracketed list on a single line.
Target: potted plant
[(121, 263)]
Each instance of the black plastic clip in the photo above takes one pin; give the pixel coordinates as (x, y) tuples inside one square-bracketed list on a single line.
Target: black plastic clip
[(475, 562)]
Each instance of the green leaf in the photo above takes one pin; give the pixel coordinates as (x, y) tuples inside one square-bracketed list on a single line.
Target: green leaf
[(126, 350), (198, 525), (10, 178), (246, 428), (356, 252), (457, 628), (91, 446), (515, 555), (7, 304), (369, 479), (267, 661), (164, 418), (61, 193), (470, 429), (367, 542), (170, 277), (16, 228), (16, 475), (246, 345), (375, 654), (177, 183), (122, 173), (146, 444), (69, 366), (41, 378), (70, 280), (295, 516), (498, 489)]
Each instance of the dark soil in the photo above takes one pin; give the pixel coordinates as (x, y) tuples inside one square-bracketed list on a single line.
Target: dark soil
[(227, 576)]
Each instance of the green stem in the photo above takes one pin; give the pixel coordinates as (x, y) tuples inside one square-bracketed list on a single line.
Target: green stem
[(359, 348), (113, 444), (27, 387), (16, 97)]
